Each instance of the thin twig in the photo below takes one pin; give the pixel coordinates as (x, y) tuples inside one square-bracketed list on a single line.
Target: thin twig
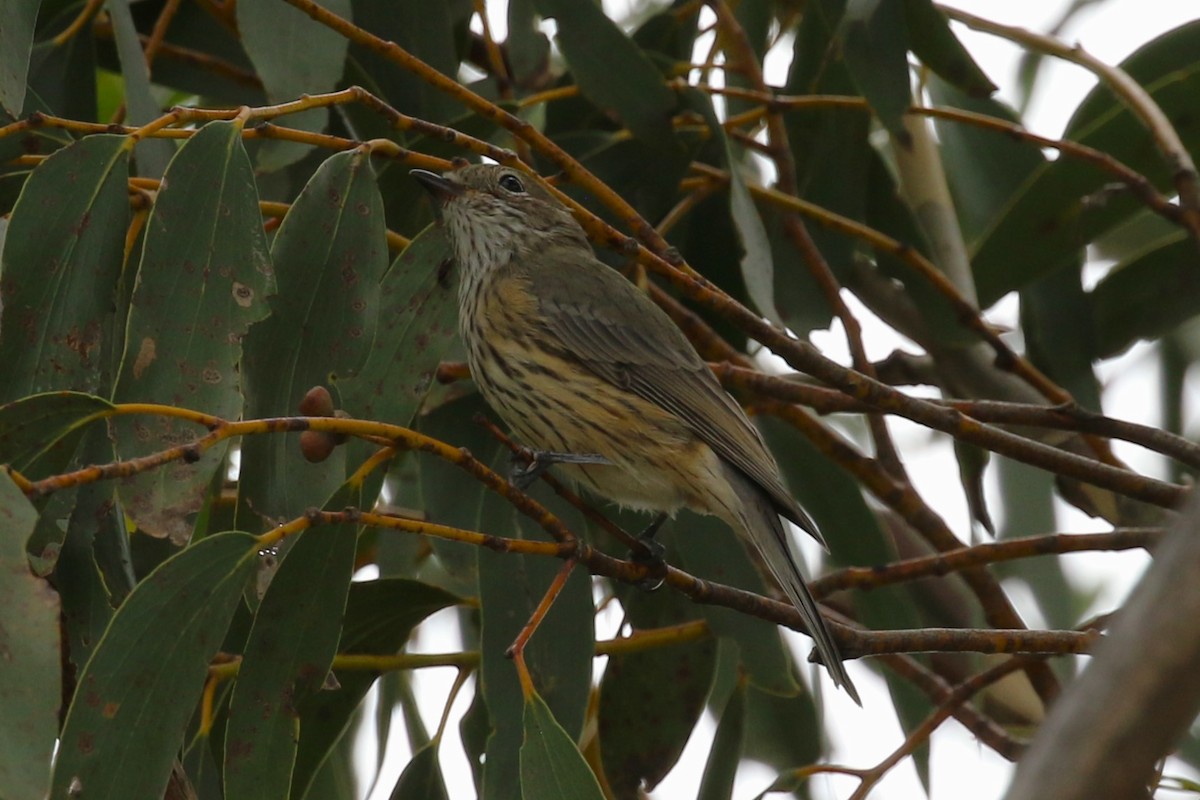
[(982, 554)]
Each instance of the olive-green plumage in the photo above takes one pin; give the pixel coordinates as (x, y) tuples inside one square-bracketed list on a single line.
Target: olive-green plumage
[(576, 359)]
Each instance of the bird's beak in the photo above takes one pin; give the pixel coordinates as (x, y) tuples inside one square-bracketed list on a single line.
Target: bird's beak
[(442, 189)]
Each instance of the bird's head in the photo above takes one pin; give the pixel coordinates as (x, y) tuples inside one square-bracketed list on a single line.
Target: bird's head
[(492, 214)]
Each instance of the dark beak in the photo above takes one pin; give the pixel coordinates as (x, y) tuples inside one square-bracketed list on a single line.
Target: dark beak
[(441, 188)]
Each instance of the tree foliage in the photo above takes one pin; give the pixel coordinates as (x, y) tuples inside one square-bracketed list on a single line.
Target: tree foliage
[(231, 378)]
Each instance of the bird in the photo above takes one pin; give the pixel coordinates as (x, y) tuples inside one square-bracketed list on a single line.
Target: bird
[(596, 379)]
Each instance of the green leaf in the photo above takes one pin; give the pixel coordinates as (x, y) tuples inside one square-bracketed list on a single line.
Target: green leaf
[(1146, 296), (418, 323), (712, 551), (1053, 216), (427, 31), (203, 280), (832, 157), (474, 729), (331, 253), (396, 692), (55, 69), (666, 685), (86, 610), (1027, 498), (30, 670), (451, 497), (551, 764), (757, 262), (559, 655), (668, 34), (422, 777), (782, 731), (983, 168), (721, 767), (935, 44), (153, 155), (16, 41), (61, 262), (972, 467), (402, 556), (224, 77), (1056, 319), (337, 776), (89, 578), (620, 163), (1170, 58), (888, 213), (379, 617), (874, 39), (272, 35), (1133, 236), (612, 71), (707, 239), (287, 657), (139, 689), (39, 434), (528, 47)]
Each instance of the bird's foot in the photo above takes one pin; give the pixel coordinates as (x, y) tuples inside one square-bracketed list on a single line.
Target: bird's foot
[(649, 553), (528, 465)]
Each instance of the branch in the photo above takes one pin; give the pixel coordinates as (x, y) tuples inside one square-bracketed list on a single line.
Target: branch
[(990, 553), (960, 426), (1067, 418)]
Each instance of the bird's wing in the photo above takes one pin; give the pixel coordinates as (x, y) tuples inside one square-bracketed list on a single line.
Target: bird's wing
[(624, 338)]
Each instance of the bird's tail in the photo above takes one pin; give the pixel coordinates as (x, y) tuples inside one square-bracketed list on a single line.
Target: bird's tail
[(766, 530)]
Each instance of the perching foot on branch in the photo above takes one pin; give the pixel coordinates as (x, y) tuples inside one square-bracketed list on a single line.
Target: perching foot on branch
[(528, 465), (649, 553)]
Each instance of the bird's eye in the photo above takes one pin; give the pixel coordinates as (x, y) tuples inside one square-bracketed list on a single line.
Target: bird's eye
[(511, 183)]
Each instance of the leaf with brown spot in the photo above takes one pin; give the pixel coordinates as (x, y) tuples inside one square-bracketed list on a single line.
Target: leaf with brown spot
[(559, 655), (204, 239), (61, 262), (332, 252), (287, 656), (418, 325), (380, 615), (140, 688), (651, 700)]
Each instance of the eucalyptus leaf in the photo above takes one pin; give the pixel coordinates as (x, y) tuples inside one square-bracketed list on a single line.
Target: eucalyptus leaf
[(147, 673), (203, 279), (16, 41), (30, 671)]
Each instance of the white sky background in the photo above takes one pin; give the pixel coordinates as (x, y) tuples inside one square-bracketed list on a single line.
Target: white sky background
[(960, 767)]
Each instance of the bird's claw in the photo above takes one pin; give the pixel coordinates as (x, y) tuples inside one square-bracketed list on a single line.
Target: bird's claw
[(649, 553), (528, 465)]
